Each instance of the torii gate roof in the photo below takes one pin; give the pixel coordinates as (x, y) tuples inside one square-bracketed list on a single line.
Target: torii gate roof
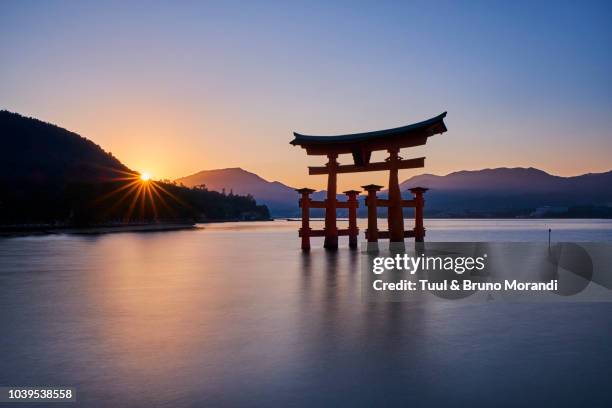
[(415, 134)]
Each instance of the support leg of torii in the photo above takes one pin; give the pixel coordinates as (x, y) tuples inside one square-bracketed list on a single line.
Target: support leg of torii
[(372, 231), (331, 230), (419, 228), (305, 206), (395, 214), (352, 215)]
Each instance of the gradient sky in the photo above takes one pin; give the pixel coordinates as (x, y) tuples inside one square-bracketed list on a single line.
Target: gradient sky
[(177, 87)]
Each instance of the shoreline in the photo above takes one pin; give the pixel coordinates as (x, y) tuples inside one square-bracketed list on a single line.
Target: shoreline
[(38, 230), (24, 230), (297, 219), (94, 230)]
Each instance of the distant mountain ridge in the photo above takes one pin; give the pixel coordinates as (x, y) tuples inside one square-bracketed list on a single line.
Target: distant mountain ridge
[(502, 192), (280, 198), (507, 191), (505, 179)]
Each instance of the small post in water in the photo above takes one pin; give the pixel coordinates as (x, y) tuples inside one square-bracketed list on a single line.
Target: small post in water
[(549, 230)]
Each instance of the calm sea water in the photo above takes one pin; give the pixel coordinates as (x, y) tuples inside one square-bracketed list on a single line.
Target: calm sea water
[(236, 315)]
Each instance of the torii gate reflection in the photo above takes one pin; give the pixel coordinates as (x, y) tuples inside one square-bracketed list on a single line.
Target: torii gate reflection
[(361, 146)]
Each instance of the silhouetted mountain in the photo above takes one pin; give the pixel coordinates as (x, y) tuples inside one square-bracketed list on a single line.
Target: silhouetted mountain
[(501, 192), (525, 180), (35, 151), (49, 175), (514, 192), (279, 198)]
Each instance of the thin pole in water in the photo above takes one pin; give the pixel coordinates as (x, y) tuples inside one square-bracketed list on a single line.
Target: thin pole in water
[(549, 238)]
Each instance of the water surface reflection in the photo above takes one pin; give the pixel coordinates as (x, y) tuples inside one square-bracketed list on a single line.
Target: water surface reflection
[(233, 315)]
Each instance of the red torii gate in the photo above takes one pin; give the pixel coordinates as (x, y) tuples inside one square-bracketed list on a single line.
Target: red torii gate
[(361, 146)]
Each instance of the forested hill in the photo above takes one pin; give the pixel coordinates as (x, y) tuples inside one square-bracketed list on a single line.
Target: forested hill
[(36, 151), (53, 176)]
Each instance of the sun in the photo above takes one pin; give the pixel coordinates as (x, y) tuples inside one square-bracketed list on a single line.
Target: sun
[(145, 176)]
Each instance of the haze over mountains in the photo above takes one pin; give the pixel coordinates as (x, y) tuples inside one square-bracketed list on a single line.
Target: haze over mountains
[(500, 192)]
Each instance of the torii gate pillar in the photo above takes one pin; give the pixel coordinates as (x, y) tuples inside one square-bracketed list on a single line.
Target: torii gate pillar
[(331, 229), (419, 204), (395, 215)]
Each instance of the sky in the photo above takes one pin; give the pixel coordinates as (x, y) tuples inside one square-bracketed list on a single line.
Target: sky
[(172, 88)]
